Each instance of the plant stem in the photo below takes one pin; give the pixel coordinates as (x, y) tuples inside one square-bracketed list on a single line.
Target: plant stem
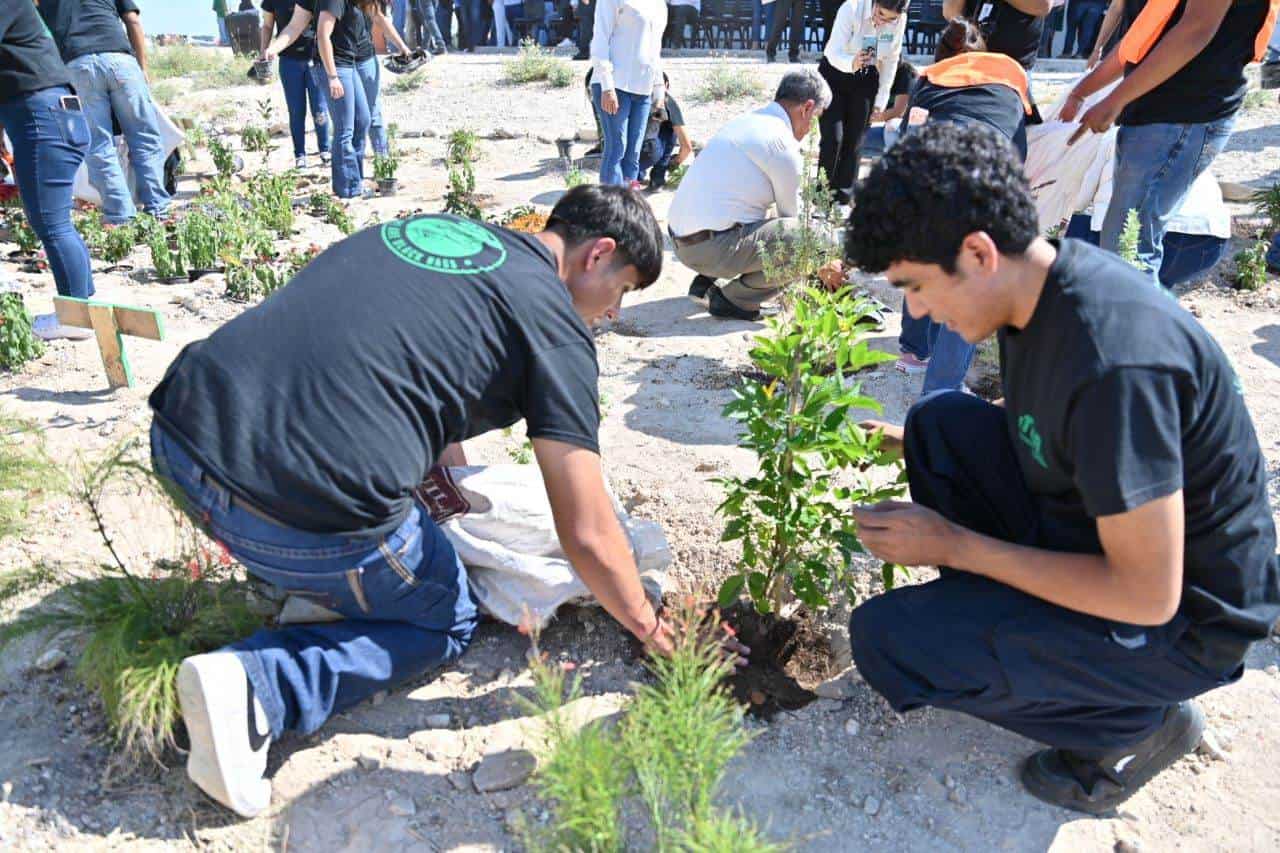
[(781, 546), (92, 503)]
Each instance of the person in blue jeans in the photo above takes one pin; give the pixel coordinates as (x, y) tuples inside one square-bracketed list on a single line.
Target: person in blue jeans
[(426, 13), (49, 135), (344, 41), (626, 68), (295, 46), (104, 46), (1183, 84), (301, 434), (1084, 20)]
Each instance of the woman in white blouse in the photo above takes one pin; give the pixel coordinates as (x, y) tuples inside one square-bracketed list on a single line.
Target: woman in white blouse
[(626, 80), (859, 62)]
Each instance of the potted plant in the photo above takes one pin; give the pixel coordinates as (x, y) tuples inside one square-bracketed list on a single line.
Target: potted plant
[(384, 172), (200, 244), (167, 256)]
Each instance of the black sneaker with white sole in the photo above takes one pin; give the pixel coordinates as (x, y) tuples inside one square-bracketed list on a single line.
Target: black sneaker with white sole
[(699, 288), (1097, 785), (228, 730)]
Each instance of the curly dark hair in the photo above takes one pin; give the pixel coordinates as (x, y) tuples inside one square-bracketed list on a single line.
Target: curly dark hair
[(937, 185)]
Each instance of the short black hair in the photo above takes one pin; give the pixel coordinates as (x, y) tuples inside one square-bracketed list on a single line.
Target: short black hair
[(960, 36), (937, 185), (591, 211)]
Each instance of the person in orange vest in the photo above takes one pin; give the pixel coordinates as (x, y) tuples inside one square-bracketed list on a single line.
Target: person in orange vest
[(967, 85), (1183, 67)]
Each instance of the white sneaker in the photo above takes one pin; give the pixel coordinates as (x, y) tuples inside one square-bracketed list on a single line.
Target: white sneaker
[(300, 162), (46, 327), (228, 731), (325, 157)]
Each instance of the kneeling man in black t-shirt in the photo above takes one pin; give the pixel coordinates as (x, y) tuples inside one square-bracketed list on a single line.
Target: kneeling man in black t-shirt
[(299, 431), (1106, 548)]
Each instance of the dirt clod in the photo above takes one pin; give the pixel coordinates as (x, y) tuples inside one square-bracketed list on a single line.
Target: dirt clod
[(789, 657)]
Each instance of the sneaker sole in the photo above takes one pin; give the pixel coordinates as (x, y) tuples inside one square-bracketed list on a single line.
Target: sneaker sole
[(910, 371), (1182, 743), (211, 716), (703, 300)]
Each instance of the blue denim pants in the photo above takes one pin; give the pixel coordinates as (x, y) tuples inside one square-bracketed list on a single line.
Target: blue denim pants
[(301, 86), (111, 84), (1186, 256), (356, 116), (49, 144), (949, 355), (479, 18), (406, 600), (399, 15), (1155, 166), (657, 155), (427, 14), (622, 134), (1273, 254)]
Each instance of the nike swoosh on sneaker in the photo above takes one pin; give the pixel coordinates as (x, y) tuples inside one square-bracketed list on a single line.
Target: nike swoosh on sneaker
[(256, 740), (1123, 763)]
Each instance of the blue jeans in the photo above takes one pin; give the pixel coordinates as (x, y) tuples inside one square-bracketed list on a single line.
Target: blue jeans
[(1186, 256), (356, 116), (878, 140), (112, 84), (656, 154), (761, 14), (49, 144), (622, 134), (406, 600), (949, 354), (299, 85), (479, 20), (428, 27), (224, 37), (399, 15), (1273, 254), (1084, 20), (1155, 166)]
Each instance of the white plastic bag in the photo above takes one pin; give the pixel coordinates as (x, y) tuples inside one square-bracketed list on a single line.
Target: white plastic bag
[(499, 521), (170, 138), (1065, 178)]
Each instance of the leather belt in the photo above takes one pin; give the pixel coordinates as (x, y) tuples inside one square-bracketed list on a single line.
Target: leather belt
[(697, 236)]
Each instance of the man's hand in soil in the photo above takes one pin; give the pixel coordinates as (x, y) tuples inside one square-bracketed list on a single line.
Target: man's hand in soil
[(832, 275), (892, 433), (906, 533)]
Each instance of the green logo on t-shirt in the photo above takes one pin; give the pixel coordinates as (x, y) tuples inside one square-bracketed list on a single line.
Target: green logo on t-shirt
[(442, 244), (1031, 438)]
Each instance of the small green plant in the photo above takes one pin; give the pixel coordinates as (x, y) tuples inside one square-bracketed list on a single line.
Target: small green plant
[(727, 83), (1251, 266), (675, 176), (805, 249), (199, 241), (18, 343), (89, 225), (406, 83), (462, 146), (575, 177), (534, 64), (521, 454), (167, 256), (224, 162), (25, 469), (325, 206), (255, 138), (166, 92), (1256, 99), (271, 200), (1129, 236), (139, 624), (118, 243), (254, 280), (385, 167), (1266, 203), (21, 232), (668, 753)]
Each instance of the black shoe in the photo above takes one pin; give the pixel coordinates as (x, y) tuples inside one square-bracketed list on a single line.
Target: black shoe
[(657, 178), (592, 151), (793, 58), (699, 287), (719, 306), (1096, 786), (581, 55), (770, 56)]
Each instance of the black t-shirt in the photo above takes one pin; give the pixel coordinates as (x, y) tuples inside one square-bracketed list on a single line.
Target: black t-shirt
[(352, 35), (305, 45), (675, 116), (903, 79), (997, 106), (1116, 396), (28, 57), (1007, 30), (82, 27), (1212, 85), (326, 404)]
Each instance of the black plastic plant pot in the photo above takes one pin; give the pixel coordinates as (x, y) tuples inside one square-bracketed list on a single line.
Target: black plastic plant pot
[(196, 273), (387, 186), (173, 279)]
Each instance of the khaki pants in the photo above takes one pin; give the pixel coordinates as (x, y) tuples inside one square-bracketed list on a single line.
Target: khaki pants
[(735, 254)]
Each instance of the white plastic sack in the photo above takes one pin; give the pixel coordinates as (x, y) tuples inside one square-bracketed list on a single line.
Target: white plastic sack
[(171, 137), (499, 521), (1065, 178)]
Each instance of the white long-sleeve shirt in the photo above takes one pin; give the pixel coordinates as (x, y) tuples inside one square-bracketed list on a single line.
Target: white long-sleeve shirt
[(626, 49), (852, 25), (752, 163)]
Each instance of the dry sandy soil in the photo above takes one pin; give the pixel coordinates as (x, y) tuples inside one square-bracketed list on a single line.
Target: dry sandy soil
[(844, 773)]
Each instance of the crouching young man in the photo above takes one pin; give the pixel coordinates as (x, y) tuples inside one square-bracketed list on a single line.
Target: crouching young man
[(1106, 547), (298, 430)]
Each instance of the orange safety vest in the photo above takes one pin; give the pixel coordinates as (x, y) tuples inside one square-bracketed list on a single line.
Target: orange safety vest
[(981, 69), (1154, 17)]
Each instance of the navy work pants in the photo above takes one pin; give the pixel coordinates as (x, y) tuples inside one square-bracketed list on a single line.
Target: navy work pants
[(967, 643)]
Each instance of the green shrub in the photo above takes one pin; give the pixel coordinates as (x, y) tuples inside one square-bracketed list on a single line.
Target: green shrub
[(325, 206), (1266, 203), (203, 68), (1251, 266), (561, 75), (118, 243), (405, 83), (534, 64), (728, 83), (167, 255), (224, 162), (199, 241), (385, 167), (271, 200), (89, 225), (675, 176), (18, 344), (20, 230), (462, 146), (25, 471), (575, 177)]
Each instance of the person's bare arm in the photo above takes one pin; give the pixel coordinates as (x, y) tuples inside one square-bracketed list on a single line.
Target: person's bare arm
[(686, 146), (137, 38), (1039, 8), (264, 35), (1110, 21), (1137, 579), (296, 27), (389, 30), (952, 9), (324, 44), (453, 456), (1179, 46), (593, 539)]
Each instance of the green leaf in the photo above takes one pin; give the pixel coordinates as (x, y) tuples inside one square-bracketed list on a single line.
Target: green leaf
[(887, 574), (735, 530), (757, 585), (731, 589)]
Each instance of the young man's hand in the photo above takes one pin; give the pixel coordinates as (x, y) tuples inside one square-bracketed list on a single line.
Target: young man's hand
[(906, 533)]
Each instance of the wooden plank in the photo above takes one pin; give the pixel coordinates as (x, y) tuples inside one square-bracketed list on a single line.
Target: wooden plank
[(136, 322), (102, 320)]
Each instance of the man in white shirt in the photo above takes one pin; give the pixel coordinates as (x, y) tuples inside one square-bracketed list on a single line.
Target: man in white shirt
[(720, 214)]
